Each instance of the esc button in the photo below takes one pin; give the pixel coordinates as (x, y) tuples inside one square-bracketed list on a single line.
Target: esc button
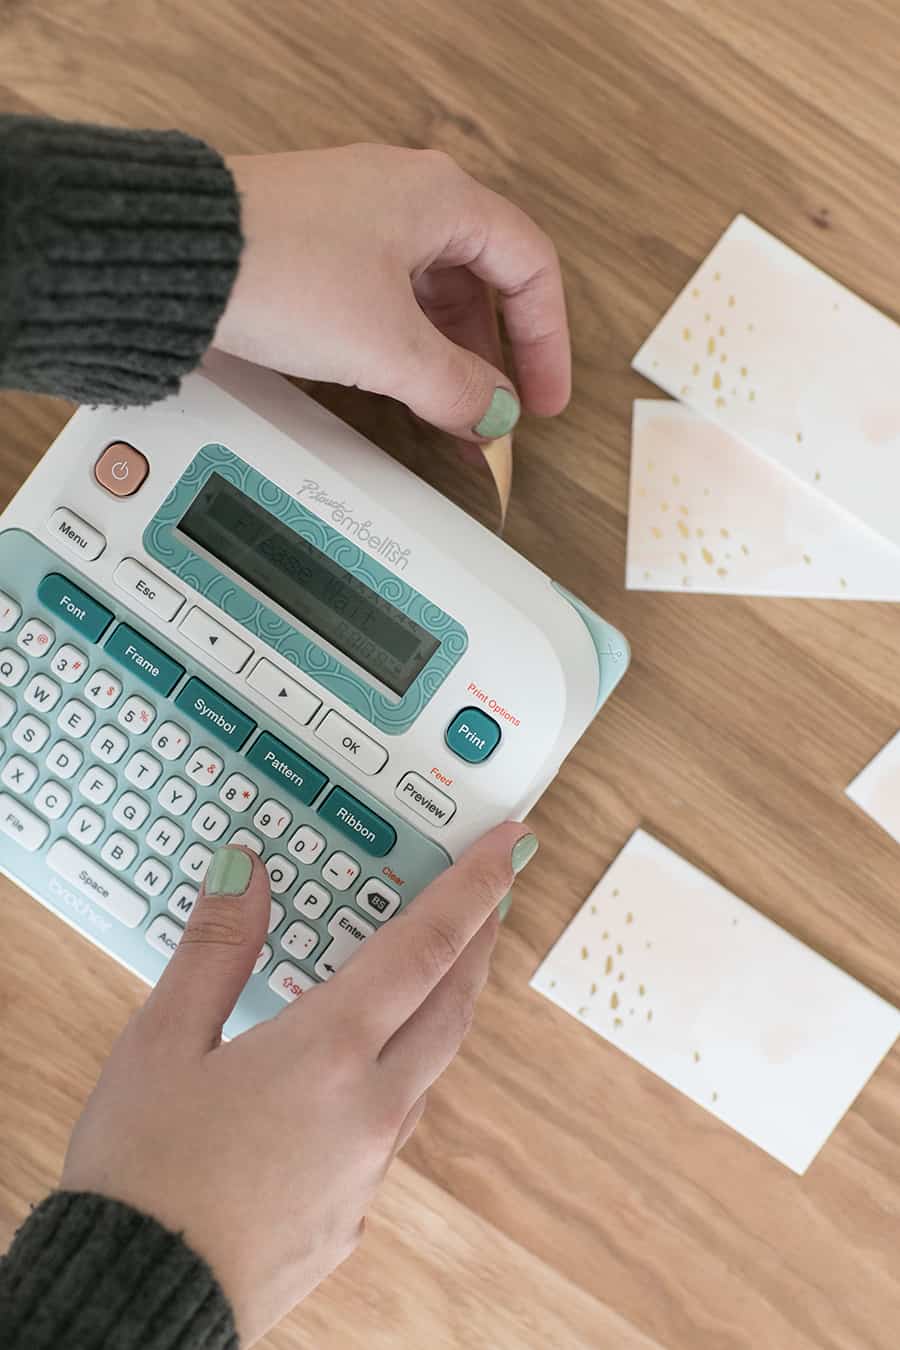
[(473, 735)]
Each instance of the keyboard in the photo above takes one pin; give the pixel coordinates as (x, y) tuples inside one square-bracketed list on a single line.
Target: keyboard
[(124, 766)]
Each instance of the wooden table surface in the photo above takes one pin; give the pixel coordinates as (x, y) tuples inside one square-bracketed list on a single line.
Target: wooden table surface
[(557, 1194)]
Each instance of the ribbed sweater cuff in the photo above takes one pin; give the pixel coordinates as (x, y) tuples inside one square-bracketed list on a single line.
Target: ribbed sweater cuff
[(87, 1272), (117, 256)]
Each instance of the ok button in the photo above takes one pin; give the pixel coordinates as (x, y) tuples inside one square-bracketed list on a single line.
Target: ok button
[(352, 743), (472, 735)]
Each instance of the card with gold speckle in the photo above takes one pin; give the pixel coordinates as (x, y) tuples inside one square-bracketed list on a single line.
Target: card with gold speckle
[(718, 1001), (773, 350), (877, 788), (708, 513)]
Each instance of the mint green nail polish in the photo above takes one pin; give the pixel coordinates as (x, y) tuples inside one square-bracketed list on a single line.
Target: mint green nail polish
[(503, 907), (229, 873), (501, 416), (523, 851)]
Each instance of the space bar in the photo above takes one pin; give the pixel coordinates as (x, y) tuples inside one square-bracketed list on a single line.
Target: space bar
[(96, 883)]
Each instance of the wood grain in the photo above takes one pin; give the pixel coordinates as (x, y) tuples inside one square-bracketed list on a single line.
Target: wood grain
[(556, 1194)]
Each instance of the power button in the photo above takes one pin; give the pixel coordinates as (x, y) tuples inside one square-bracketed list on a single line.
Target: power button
[(121, 469)]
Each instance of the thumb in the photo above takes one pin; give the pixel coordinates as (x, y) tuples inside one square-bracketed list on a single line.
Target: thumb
[(446, 384), (215, 957)]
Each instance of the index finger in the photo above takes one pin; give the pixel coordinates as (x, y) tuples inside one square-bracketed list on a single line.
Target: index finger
[(503, 246), (392, 975)]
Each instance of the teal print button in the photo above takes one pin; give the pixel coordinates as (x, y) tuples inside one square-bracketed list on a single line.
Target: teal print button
[(74, 606), (144, 659), (283, 764), (472, 735), (221, 718), (349, 816)]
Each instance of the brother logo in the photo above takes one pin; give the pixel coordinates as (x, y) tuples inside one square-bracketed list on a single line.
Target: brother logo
[(382, 545), (79, 906)]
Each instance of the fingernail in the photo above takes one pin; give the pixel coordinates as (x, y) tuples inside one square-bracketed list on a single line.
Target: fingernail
[(229, 872), (501, 416), (503, 907), (523, 850)]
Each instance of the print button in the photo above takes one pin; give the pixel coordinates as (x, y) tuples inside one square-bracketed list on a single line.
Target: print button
[(121, 469), (472, 735)]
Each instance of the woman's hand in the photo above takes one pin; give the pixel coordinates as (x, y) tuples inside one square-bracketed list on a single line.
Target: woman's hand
[(266, 1151), (374, 266)]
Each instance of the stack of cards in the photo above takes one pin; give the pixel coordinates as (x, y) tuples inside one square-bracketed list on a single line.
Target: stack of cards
[(706, 992), (778, 473)]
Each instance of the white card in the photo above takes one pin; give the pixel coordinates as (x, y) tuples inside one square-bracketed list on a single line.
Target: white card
[(718, 1001), (877, 788), (778, 353), (707, 513)]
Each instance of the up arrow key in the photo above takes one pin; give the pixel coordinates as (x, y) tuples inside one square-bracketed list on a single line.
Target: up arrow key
[(282, 693)]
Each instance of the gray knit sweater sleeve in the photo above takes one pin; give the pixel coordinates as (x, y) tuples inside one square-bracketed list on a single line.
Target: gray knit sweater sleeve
[(88, 1273), (118, 250)]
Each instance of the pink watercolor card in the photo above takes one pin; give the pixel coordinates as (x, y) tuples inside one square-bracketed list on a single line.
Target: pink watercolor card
[(717, 1000), (877, 788), (708, 513), (774, 351)]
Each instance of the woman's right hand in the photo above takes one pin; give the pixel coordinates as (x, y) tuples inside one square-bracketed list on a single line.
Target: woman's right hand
[(265, 1152)]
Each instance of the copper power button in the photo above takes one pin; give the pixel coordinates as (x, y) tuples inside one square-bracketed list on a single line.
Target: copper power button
[(121, 469)]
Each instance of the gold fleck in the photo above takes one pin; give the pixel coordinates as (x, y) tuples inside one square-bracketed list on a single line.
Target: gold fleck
[(706, 492), (649, 1014), (707, 557), (710, 346), (593, 909), (621, 976), (717, 381), (584, 953), (724, 357), (617, 1021), (724, 534), (707, 317), (684, 511), (552, 984), (695, 368), (720, 402), (605, 935), (807, 559), (744, 371), (593, 988), (722, 331), (641, 990), (581, 1012), (683, 530), (752, 396), (642, 492), (620, 949), (664, 506), (683, 557), (675, 479), (657, 532), (844, 582), (695, 292), (651, 464), (715, 1096), (646, 576), (629, 918), (799, 437), (717, 276), (686, 335), (699, 534), (685, 581), (614, 1000), (722, 571), (750, 327), (818, 476), (685, 390), (731, 302), (745, 549), (607, 969), (655, 364), (615, 893), (696, 1056)]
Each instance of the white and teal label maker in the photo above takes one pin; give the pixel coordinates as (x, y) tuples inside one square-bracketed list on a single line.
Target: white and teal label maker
[(231, 618)]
